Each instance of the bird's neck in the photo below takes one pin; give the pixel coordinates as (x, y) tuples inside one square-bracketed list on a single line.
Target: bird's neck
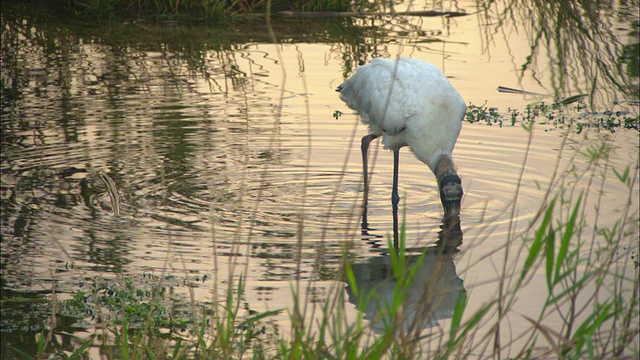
[(444, 166)]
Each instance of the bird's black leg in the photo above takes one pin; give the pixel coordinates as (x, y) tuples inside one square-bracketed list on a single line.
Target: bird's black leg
[(366, 140), (395, 198)]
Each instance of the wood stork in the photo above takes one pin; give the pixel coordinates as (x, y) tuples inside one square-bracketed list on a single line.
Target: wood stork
[(409, 102)]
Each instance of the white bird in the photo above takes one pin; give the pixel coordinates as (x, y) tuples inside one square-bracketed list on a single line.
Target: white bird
[(409, 102)]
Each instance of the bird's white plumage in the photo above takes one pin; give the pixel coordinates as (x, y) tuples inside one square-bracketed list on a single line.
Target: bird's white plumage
[(410, 103)]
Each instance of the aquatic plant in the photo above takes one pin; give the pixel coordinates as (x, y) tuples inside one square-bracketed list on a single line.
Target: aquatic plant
[(558, 115)]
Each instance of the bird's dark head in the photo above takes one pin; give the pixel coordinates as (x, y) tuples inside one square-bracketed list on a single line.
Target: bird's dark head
[(450, 193)]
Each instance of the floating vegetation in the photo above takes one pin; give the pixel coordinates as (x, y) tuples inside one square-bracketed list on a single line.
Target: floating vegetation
[(154, 306), (125, 299), (563, 114)]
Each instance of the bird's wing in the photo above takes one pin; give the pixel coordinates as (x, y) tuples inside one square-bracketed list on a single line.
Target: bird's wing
[(384, 94)]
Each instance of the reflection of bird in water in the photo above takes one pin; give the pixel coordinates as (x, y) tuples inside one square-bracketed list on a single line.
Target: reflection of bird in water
[(409, 102), (431, 296)]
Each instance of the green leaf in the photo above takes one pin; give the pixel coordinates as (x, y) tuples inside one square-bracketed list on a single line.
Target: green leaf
[(176, 348), (624, 177), (551, 240), (589, 326), (566, 238), (470, 326), (458, 311), (124, 340), (76, 354), (351, 279), (538, 241), (22, 353), (260, 316), (149, 352), (574, 285)]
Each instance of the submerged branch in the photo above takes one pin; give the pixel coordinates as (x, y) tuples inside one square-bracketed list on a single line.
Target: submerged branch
[(317, 14)]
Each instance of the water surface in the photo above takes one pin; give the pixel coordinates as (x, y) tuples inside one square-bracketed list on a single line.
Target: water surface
[(205, 154)]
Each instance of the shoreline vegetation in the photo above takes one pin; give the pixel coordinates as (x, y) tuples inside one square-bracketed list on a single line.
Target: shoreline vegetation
[(221, 11)]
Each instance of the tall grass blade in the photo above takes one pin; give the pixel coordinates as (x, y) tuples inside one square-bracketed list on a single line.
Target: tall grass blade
[(22, 353), (78, 353), (260, 316), (588, 327), (548, 334), (579, 283), (176, 348), (624, 176), (149, 352), (351, 279), (454, 342), (566, 238), (124, 340), (458, 311), (538, 242), (551, 248)]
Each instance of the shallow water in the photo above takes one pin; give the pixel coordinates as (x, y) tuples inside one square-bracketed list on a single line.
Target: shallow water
[(135, 159)]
